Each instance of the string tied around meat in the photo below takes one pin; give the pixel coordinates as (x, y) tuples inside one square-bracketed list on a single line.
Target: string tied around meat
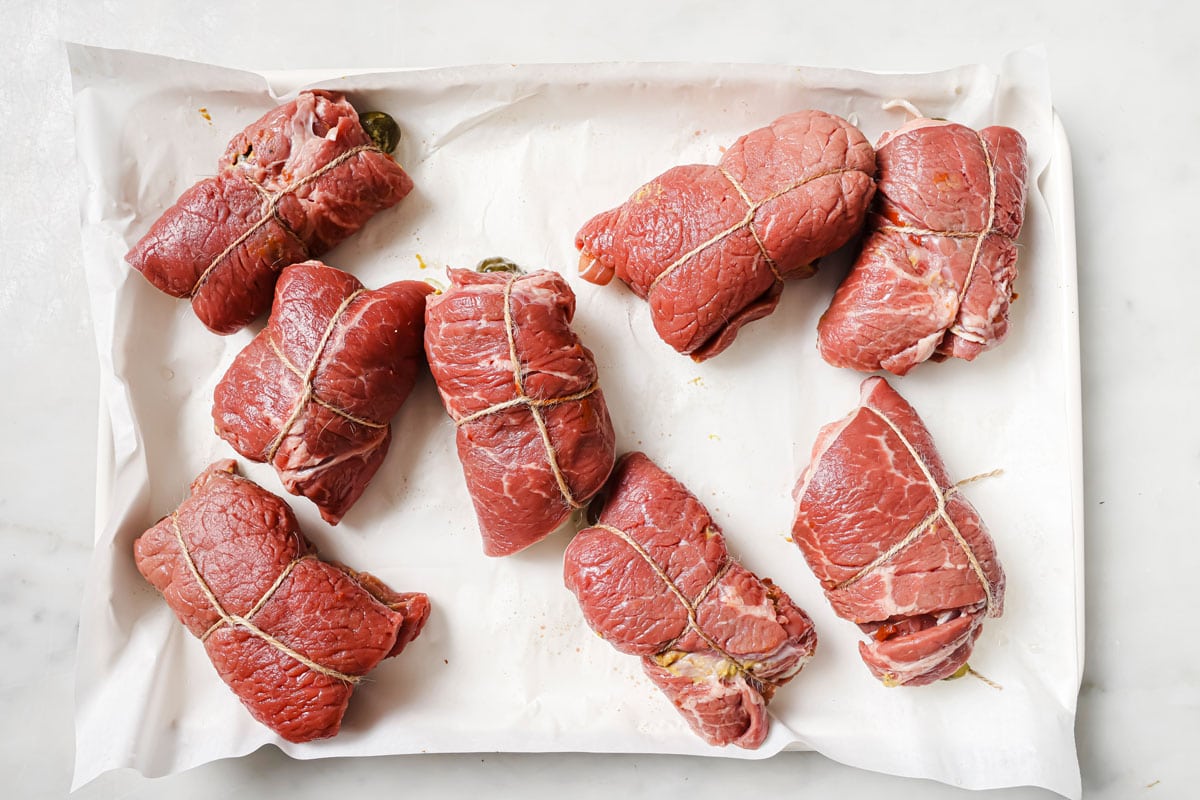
[(967, 669), (270, 210), (980, 236), (747, 221), (689, 605), (533, 404), (900, 102), (312, 394), (307, 393), (940, 513), (245, 621), (957, 328)]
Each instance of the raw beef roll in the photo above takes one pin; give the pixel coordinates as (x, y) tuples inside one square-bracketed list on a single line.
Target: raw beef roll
[(654, 579), (313, 394), (290, 634), (898, 550), (934, 277), (534, 435), (289, 187), (709, 247)]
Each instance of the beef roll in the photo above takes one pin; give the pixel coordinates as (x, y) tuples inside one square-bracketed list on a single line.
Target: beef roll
[(290, 634), (314, 393), (709, 247), (534, 435), (655, 580), (934, 278), (897, 547), (288, 188)]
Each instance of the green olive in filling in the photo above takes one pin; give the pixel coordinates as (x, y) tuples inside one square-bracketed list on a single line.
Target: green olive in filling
[(958, 673), (497, 264), (382, 129)]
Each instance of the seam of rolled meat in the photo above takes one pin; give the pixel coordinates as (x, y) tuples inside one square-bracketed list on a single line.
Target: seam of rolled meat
[(533, 431), (934, 278), (653, 577), (710, 246), (289, 187), (896, 546), (314, 392)]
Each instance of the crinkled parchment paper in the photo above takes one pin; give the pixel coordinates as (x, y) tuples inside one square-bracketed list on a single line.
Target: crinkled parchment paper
[(511, 160)]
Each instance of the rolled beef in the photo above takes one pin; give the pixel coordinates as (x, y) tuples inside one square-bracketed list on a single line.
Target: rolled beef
[(313, 394), (290, 634), (934, 278), (655, 580), (898, 550), (534, 436), (289, 187), (708, 247)]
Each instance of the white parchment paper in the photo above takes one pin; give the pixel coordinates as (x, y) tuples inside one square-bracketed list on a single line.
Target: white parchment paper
[(511, 160)]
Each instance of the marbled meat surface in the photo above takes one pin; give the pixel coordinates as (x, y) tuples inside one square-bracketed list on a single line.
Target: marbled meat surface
[(289, 633), (898, 550), (934, 278), (655, 580), (534, 435), (288, 188), (708, 247), (313, 394)]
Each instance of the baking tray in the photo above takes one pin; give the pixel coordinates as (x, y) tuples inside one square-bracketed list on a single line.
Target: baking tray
[(511, 160)]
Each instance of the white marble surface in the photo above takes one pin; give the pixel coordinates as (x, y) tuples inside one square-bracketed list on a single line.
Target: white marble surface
[(1123, 78)]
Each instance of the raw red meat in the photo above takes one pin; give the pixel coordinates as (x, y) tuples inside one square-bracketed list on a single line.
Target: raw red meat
[(655, 580), (934, 278), (289, 187), (313, 393), (290, 634), (709, 247), (898, 550), (534, 435)]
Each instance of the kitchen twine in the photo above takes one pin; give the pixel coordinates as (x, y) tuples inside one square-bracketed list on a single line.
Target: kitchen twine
[(746, 222), (534, 405), (239, 621), (688, 605), (979, 236), (308, 394), (271, 210), (751, 210), (928, 523)]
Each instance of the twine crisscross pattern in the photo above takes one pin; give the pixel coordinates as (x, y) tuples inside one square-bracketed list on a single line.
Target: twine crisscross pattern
[(533, 404), (939, 513), (747, 221), (979, 236), (270, 210), (689, 604), (307, 375), (245, 621)]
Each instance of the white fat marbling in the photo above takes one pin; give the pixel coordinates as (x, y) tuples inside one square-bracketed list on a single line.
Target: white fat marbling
[(1124, 82)]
